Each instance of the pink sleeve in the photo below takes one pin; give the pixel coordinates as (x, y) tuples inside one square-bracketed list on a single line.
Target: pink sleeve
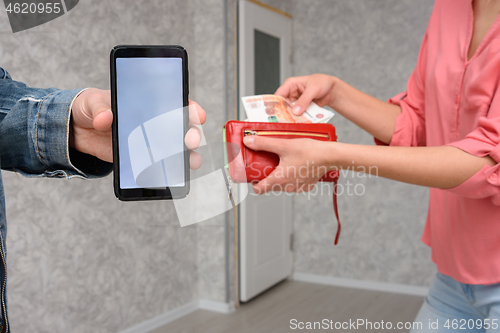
[(483, 141), (410, 124), (484, 184)]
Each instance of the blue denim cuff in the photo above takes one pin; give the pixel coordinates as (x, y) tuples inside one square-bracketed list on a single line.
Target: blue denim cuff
[(52, 140), (4, 74)]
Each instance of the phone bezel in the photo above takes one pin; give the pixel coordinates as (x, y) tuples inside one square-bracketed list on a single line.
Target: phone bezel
[(148, 51)]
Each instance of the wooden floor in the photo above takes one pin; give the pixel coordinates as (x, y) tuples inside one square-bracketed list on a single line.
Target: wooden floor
[(305, 302)]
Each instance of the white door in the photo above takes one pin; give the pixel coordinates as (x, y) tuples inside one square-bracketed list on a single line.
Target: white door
[(265, 221)]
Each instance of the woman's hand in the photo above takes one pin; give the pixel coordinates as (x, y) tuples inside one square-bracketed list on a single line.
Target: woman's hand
[(91, 120), (303, 90), (373, 115), (302, 163)]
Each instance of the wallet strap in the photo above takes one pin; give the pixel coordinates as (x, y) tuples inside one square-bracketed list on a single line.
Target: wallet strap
[(229, 184), (335, 208)]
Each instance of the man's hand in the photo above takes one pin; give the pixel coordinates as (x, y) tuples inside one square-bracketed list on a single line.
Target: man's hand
[(197, 116), (91, 120)]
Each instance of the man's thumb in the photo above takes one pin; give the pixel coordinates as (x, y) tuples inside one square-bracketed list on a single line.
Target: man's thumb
[(103, 119)]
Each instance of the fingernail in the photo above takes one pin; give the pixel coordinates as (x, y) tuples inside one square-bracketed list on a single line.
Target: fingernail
[(248, 140), (296, 109)]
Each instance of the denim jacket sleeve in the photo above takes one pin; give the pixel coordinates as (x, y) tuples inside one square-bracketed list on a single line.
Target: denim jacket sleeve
[(34, 133)]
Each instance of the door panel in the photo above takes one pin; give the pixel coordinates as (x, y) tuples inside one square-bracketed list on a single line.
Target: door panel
[(266, 62)]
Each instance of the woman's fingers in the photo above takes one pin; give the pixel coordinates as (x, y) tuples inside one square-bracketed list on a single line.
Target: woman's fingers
[(299, 91), (292, 88), (270, 183), (302, 103), (273, 145)]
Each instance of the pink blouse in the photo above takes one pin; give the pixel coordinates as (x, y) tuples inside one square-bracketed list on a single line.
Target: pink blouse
[(454, 101)]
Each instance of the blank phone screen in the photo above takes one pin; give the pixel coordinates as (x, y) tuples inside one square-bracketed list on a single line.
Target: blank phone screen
[(149, 94)]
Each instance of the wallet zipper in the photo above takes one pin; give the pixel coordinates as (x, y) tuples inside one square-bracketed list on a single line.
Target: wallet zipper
[(265, 133)]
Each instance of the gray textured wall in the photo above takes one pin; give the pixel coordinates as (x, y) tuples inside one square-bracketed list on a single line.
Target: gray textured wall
[(373, 45), (208, 78), (78, 258)]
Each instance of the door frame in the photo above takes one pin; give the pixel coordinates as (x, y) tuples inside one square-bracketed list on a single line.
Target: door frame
[(246, 83)]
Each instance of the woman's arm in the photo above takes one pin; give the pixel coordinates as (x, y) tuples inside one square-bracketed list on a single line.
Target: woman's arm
[(440, 167), (371, 114), (303, 164)]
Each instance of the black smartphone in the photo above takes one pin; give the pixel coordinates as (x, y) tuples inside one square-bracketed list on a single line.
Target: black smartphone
[(149, 98)]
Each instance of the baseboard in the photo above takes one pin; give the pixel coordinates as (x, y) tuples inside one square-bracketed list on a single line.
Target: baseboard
[(220, 307), (170, 316), (361, 284), (227, 308)]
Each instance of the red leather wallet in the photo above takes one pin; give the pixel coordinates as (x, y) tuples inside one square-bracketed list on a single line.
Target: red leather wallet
[(247, 165)]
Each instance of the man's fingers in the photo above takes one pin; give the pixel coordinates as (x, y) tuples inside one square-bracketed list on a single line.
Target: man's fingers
[(256, 142), (193, 138), (195, 160), (197, 115)]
